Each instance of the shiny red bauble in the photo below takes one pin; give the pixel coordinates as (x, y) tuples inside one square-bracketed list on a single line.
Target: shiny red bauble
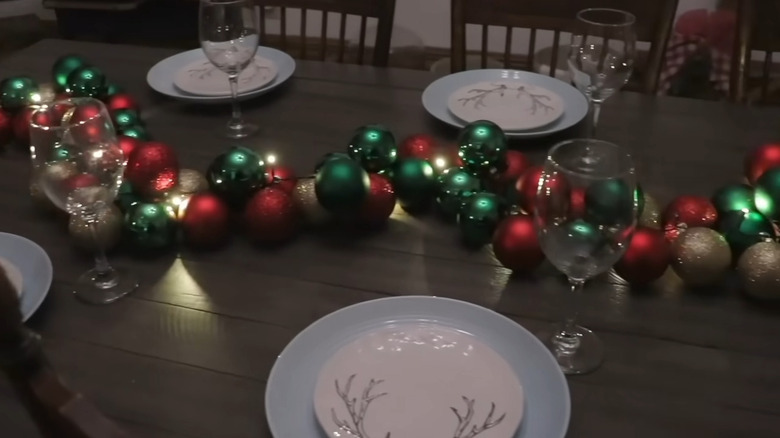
[(380, 202), (516, 165), (6, 127), (516, 245), (121, 101), (647, 257), (128, 144), (152, 168), (271, 217), (80, 181), (206, 221), (281, 177), (21, 125), (761, 159), (686, 212), (421, 146), (90, 122), (526, 187), (577, 203)]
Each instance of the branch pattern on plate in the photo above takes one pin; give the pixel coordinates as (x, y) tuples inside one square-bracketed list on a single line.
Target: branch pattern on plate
[(466, 419), (480, 94), (356, 408), (207, 69)]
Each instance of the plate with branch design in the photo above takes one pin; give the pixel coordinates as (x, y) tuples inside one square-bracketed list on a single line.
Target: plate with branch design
[(203, 78)]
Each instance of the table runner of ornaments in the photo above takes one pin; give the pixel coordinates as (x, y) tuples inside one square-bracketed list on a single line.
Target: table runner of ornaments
[(480, 185)]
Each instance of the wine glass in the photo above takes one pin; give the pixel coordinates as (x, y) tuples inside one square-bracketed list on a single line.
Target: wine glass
[(601, 59), (79, 164), (229, 38), (584, 240)]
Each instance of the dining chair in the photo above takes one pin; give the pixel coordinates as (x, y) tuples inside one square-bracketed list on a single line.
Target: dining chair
[(383, 11), (758, 30), (654, 23)]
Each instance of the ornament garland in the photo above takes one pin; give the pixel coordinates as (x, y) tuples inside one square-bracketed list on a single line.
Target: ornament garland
[(489, 191)]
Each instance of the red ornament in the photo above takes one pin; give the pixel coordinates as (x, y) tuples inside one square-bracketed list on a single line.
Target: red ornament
[(121, 101), (90, 120), (128, 144), (451, 156), (6, 127), (687, 212), (760, 160), (152, 168), (420, 146), (379, 203), (647, 257), (516, 245), (282, 178), (206, 221), (271, 216), (516, 164), (526, 187), (21, 126), (577, 203), (80, 181)]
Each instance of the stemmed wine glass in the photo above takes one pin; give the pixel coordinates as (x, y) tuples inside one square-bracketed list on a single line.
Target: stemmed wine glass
[(583, 242), (602, 55), (229, 38), (79, 165)]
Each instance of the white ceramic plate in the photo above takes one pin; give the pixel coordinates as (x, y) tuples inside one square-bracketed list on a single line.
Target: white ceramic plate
[(14, 275), (204, 79), (512, 105), (418, 380), (34, 265), (161, 75), (436, 97), (288, 399)]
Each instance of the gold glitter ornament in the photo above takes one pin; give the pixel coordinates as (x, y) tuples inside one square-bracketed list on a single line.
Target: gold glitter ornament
[(759, 270), (108, 232), (701, 257), (305, 199), (191, 181), (651, 214)]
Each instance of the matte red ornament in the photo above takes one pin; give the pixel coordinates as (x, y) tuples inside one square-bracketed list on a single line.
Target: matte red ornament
[(761, 159), (379, 203), (281, 177), (647, 257), (128, 144), (516, 245), (121, 101), (6, 127), (80, 181), (421, 146), (577, 202), (686, 212), (21, 125), (516, 164), (152, 168), (206, 221), (271, 217)]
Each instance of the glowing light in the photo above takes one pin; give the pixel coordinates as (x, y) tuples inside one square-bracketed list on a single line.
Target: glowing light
[(176, 205), (440, 162), (271, 159)]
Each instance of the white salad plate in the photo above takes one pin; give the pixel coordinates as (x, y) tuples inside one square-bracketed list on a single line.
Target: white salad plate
[(34, 266)]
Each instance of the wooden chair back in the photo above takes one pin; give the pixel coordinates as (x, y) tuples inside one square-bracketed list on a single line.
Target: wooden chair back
[(381, 10), (654, 19), (758, 30)]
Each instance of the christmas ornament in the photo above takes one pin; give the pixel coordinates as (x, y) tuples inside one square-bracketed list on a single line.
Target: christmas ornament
[(305, 198), (577, 203), (479, 217), (515, 244), (330, 156), (149, 226), (86, 81), (6, 127), (136, 131), (647, 257), (46, 93), (421, 146), (526, 187), (453, 188), (760, 160), (374, 147), (759, 270), (639, 199), (415, 183), (583, 234), (482, 146), (236, 175), (90, 119), (113, 88), (16, 92), (610, 202), (451, 157), (651, 214), (128, 144), (191, 182), (686, 212), (80, 181), (121, 101), (108, 230), (125, 118), (152, 169), (281, 177), (380, 202), (734, 197), (63, 67), (271, 216), (700, 256), (767, 197), (516, 164), (744, 228), (206, 221), (341, 186), (21, 125), (127, 197)]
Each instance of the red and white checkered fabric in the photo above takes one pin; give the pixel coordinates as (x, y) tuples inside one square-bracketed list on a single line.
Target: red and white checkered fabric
[(680, 49)]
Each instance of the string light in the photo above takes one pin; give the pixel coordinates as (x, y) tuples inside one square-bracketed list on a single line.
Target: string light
[(271, 159), (176, 205), (440, 163)]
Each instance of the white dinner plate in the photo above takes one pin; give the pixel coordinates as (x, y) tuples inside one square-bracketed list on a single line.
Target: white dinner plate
[(161, 75), (35, 267), (202, 78), (291, 385), (437, 95)]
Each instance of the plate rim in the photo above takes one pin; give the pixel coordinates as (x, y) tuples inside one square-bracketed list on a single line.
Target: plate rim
[(49, 274)]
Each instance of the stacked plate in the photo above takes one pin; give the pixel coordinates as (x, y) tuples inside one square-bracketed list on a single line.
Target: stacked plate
[(28, 269), (191, 77), (416, 367)]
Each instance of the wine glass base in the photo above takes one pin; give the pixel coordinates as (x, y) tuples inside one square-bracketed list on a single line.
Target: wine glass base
[(243, 130), (586, 358), (92, 292)]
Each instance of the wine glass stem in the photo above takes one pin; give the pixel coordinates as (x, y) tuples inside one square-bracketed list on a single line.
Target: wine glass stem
[(595, 111), (567, 340), (105, 276), (236, 119)]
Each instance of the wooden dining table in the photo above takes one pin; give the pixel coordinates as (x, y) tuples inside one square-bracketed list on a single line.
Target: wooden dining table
[(188, 354)]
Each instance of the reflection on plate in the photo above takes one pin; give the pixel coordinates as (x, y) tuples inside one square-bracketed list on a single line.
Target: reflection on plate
[(203, 78)]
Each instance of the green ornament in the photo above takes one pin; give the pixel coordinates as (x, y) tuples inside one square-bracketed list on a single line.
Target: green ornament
[(86, 81), (61, 153), (16, 92), (126, 118), (63, 67), (374, 147), (126, 197), (582, 238), (742, 229), (734, 197), (482, 147), (453, 187), (639, 200), (330, 156), (149, 226), (136, 131), (414, 181), (610, 202), (767, 196), (479, 218), (113, 88), (236, 175), (341, 185)]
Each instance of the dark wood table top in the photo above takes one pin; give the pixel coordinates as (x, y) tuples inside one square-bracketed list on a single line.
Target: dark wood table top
[(188, 354)]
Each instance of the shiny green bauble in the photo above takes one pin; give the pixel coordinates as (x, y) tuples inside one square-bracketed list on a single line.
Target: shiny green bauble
[(610, 202), (341, 186), (330, 156), (127, 197), (16, 92), (126, 118), (734, 197), (113, 88), (453, 187), (235, 175), (479, 217), (61, 152), (743, 229), (149, 226), (414, 181), (136, 131), (639, 199), (374, 147), (86, 81), (767, 196), (63, 67), (482, 146)]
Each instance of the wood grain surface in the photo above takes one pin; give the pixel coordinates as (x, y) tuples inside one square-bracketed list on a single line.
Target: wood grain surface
[(189, 353)]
